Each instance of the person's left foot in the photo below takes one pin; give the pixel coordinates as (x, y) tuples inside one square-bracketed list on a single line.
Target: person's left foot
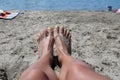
[(45, 42)]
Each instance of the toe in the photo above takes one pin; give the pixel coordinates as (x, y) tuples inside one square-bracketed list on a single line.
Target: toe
[(42, 35), (61, 31), (50, 31), (65, 32), (56, 29), (39, 37), (45, 33), (69, 37)]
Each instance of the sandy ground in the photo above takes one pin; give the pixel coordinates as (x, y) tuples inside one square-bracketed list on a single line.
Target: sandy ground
[(95, 40)]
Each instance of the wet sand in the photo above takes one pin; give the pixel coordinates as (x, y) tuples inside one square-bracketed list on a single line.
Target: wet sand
[(95, 40)]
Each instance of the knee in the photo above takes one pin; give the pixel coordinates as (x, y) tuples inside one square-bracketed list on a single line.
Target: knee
[(34, 74), (76, 67), (81, 64)]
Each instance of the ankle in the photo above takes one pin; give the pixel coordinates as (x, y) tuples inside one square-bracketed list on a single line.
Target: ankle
[(46, 60), (63, 58)]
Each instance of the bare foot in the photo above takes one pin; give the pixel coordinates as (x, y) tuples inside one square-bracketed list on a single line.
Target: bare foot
[(63, 42), (45, 42)]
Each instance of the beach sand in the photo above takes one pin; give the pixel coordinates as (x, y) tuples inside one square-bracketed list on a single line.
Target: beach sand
[(95, 40)]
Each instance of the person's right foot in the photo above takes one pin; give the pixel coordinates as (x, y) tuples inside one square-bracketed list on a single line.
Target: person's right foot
[(63, 41)]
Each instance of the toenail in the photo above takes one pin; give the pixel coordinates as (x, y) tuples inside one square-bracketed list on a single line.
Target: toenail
[(56, 26), (49, 28)]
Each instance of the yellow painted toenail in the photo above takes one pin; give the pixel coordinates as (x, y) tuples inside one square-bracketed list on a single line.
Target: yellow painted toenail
[(56, 26), (48, 28), (37, 38)]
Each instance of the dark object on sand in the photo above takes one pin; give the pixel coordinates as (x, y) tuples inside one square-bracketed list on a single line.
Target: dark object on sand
[(3, 74), (109, 8)]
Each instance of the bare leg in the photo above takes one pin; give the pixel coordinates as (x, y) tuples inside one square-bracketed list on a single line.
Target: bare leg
[(41, 70), (72, 69)]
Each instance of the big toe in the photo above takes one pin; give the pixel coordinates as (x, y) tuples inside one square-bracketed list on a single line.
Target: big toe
[(56, 31), (50, 31), (61, 30)]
